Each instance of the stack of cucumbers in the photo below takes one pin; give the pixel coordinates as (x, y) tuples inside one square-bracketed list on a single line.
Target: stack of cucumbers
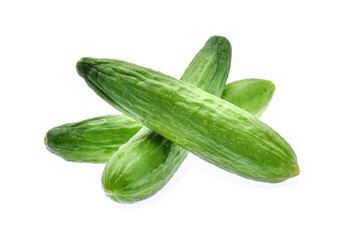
[(165, 118)]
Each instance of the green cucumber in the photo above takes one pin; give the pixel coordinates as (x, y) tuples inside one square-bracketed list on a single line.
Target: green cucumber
[(141, 167), (256, 95), (213, 129), (149, 152), (144, 165), (95, 140)]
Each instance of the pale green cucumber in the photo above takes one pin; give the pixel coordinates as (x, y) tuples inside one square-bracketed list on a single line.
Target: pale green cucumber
[(212, 128)]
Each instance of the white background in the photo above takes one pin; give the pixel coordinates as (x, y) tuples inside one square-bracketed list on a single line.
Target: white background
[(302, 46)]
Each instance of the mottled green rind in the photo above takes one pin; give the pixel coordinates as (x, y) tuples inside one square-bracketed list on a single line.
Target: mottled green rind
[(256, 94), (202, 123), (93, 140), (144, 165)]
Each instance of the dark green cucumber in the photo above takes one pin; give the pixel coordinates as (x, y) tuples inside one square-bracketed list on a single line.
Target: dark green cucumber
[(95, 140), (143, 166), (212, 128)]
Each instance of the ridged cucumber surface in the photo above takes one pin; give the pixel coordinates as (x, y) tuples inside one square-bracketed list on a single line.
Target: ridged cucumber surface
[(95, 140), (214, 129), (157, 148), (143, 166)]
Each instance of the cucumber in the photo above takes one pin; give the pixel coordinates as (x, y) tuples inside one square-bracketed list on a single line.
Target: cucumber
[(141, 167), (148, 152), (144, 165), (213, 129), (256, 95), (95, 140)]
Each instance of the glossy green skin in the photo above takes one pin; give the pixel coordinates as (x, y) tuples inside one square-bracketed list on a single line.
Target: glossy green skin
[(95, 140), (202, 123), (145, 164)]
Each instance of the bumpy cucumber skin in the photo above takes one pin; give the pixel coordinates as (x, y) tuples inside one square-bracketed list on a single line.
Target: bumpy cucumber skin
[(256, 94), (202, 123), (145, 164), (141, 167), (210, 67), (93, 140)]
